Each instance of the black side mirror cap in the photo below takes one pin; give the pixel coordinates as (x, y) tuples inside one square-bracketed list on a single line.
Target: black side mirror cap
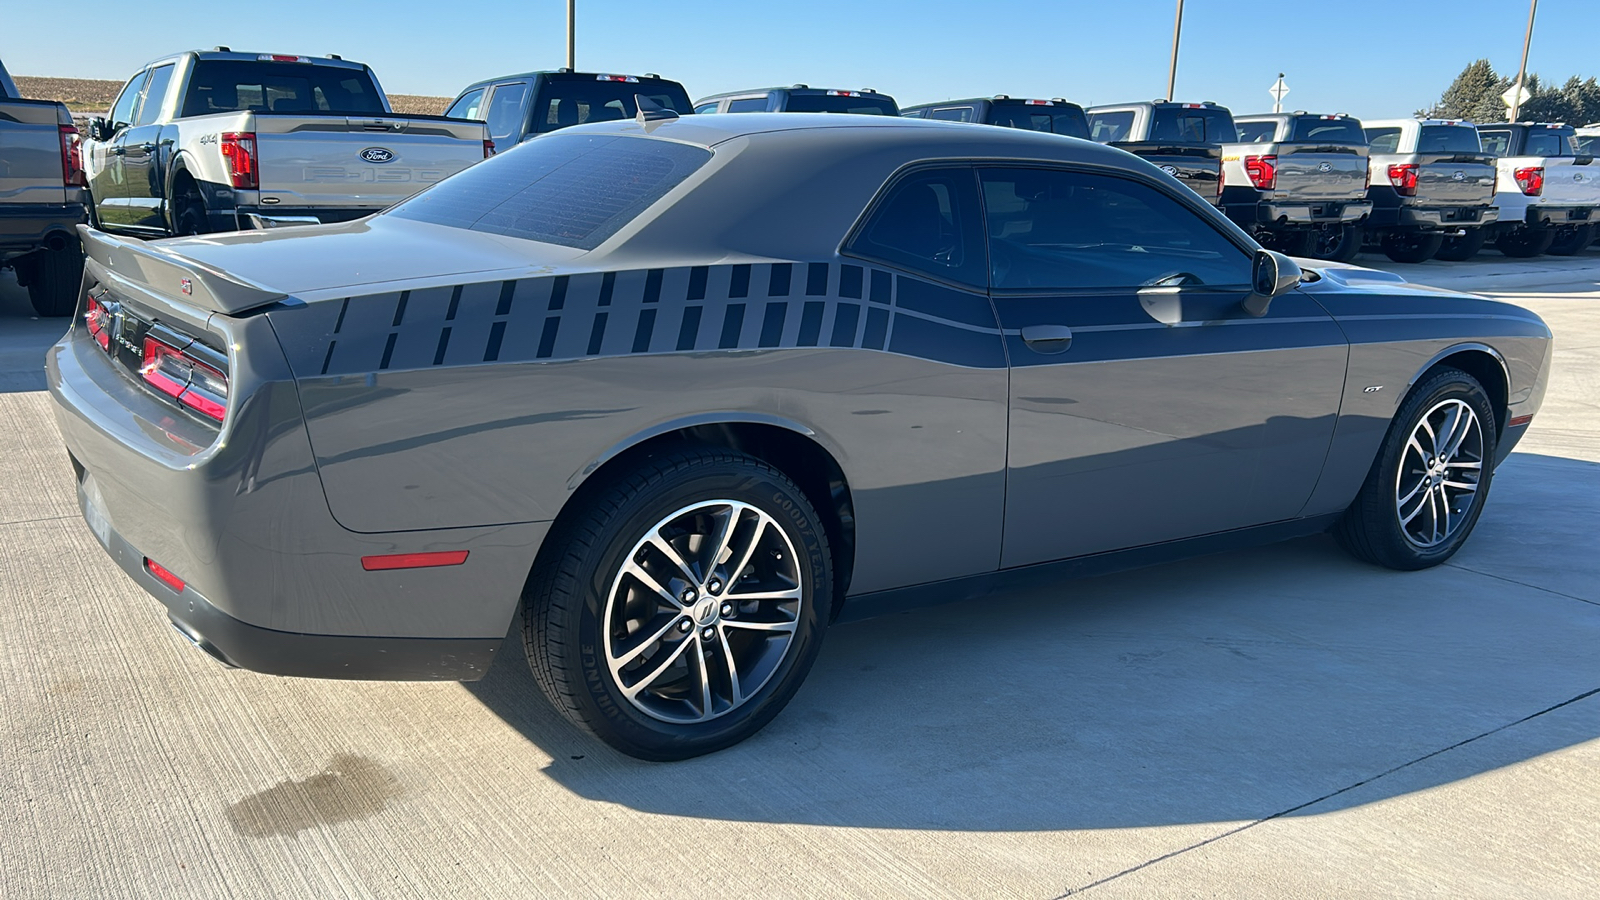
[(1271, 274)]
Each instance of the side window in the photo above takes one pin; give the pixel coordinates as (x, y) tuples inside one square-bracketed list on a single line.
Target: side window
[(1054, 229), (705, 109), (155, 91), (749, 104), (122, 110), (468, 107), (505, 110), (913, 114), (1541, 143), (927, 222), (1108, 127), (1256, 132), (1495, 142), (952, 114), (1383, 140)]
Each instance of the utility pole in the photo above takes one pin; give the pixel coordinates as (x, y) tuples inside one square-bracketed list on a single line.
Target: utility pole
[(1522, 72), (1172, 71), (572, 35)]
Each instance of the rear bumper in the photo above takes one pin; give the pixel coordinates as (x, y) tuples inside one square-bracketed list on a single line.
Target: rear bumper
[(1553, 216), (25, 227), (1330, 212), (1435, 218)]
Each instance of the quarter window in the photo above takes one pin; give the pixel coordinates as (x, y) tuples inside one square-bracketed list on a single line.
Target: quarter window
[(155, 91), (1059, 230), (953, 114), (1257, 132), (705, 109), (1110, 127), (927, 222), (468, 107), (1384, 140), (748, 104)]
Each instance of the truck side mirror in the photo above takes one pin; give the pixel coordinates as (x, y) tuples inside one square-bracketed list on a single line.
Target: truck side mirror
[(99, 129), (1271, 274)]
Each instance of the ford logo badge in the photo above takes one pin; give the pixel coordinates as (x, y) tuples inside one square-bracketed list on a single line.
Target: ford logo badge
[(1170, 170), (1459, 176), (377, 155), (1325, 168)]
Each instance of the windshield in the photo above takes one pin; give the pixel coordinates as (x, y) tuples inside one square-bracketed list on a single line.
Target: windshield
[(866, 104), (280, 87), (1448, 139), (1066, 119), (1193, 125), (1329, 130), (575, 190), (564, 102)]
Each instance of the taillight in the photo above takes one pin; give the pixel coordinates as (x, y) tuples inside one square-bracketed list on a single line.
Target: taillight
[(162, 575), (179, 375), (1263, 171), (239, 149), (95, 321), (1530, 180), (72, 174), (1404, 179), (488, 148)]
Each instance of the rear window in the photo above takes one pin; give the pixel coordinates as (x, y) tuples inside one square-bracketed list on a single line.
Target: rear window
[(1383, 140), (1110, 127), (1495, 142), (864, 105), (1064, 120), (575, 190), (563, 102), (1549, 142), (1329, 131), (1587, 144), (1184, 125), (280, 87), (1260, 132), (1448, 139)]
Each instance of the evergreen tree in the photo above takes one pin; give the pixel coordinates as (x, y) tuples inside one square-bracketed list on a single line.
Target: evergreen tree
[(1474, 95)]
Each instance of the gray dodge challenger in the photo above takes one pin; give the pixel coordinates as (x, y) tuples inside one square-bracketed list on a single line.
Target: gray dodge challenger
[(673, 394)]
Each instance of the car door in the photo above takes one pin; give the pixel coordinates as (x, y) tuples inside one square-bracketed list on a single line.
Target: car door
[(143, 162), (107, 184), (1146, 404)]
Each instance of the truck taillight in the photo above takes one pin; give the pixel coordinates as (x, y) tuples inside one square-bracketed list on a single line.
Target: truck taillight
[(72, 174), (1404, 179), (239, 149), (1530, 180), (488, 148), (184, 378), (1263, 171)]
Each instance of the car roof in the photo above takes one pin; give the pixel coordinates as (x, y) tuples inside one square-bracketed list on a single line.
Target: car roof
[(792, 89), (1058, 101), (557, 73)]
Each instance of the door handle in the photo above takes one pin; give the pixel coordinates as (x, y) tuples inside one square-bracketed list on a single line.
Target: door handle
[(148, 148), (1047, 338), (118, 151)]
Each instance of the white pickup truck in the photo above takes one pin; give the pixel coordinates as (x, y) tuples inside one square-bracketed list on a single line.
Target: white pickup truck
[(1432, 189), (1298, 182), (223, 141), (1548, 191)]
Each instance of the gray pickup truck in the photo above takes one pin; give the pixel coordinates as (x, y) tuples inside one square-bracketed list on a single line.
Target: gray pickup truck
[(1298, 183), (519, 107), (42, 199), (1432, 189), (1182, 139), (222, 141)]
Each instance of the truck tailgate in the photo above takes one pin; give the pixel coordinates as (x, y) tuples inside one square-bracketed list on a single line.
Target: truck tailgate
[(1567, 184), (1321, 172), (1461, 179), (348, 161), (1197, 166), (30, 152)]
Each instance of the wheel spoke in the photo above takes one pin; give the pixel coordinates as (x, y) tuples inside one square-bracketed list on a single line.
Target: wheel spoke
[(1433, 514), (1465, 420), (1422, 503), (671, 553), (649, 581), (1413, 492), (657, 672), (750, 625), (735, 692), (1466, 464), (1447, 431), (786, 594), (736, 572), (1444, 504), (705, 679), (619, 661), (1433, 440), (729, 525), (1465, 486)]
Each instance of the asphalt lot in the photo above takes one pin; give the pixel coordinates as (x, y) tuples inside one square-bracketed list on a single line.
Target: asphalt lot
[(1282, 722)]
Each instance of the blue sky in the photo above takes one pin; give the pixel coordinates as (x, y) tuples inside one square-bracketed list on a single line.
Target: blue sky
[(1372, 58)]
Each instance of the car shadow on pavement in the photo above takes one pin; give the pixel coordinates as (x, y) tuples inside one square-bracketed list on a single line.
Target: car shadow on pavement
[(24, 338), (1233, 687)]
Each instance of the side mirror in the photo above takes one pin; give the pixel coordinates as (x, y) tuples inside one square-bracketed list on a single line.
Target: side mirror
[(1271, 274), (99, 129)]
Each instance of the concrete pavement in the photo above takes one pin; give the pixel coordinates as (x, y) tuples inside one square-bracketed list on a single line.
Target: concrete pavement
[(1270, 723)]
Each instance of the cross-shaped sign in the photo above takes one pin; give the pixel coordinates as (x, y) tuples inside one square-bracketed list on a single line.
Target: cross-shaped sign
[(1278, 90)]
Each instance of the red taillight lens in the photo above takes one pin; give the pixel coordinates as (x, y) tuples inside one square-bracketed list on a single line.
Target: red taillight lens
[(1263, 171), (184, 378), (72, 174), (488, 148), (1530, 180), (239, 149), (162, 575), (95, 320), (1404, 179)]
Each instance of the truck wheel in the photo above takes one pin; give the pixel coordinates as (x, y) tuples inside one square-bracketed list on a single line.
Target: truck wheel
[(1461, 249), (678, 611), (1571, 240), (192, 217), (1425, 490), (1336, 243), (1525, 243), (54, 279), (1411, 246)]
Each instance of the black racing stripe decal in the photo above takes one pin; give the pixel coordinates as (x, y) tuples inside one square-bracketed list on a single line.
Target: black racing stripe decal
[(881, 284), (646, 328), (778, 281), (652, 286), (558, 292), (455, 304), (816, 279), (444, 342), (388, 350), (329, 358), (689, 331), (945, 303), (732, 324), (844, 325), (597, 333), (739, 281), (697, 283), (547, 338), (497, 333), (508, 291), (344, 307), (850, 282), (400, 308), (772, 324), (877, 329), (811, 323), (608, 286)]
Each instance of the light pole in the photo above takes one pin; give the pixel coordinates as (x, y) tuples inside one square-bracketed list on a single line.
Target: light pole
[(1172, 71), (1522, 72), (572, 35)]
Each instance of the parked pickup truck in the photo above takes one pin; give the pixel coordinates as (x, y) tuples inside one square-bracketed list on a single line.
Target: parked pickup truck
[(1588, 138), (1548, 191), (42, 199), (1432, 189), (1183, 139), (800, 98), (518, 107), (220, 141), (1056, 116), (1298, 183)]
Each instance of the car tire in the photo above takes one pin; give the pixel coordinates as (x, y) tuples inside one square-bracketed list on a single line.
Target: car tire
[(1411, 246), (1416, 507), (1335, 243), (191, 218), (54, 278), (691, 668), (1525, 243), (1461, 249), (1572, 240)]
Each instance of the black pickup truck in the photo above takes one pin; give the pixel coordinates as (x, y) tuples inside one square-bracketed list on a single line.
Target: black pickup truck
[(1057, 116), (518, 107), (1183, 139), (43, 199)]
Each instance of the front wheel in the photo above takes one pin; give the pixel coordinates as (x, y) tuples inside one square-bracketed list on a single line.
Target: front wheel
[(1428, 485), (1411, 246), (680, 609)]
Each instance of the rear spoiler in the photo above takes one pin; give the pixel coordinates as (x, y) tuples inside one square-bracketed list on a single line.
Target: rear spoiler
[(170, 275)]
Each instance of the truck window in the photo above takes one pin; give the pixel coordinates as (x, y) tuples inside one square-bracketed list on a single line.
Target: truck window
[(1383, 140), (1448, 139), (1497, 143), (1329, 131), (575, 190), (1548, 142), (952, 114), (235, 85), (866, 104), (155, 91), (505, 110), (1186, 125), (1110, 127), (122, 110), (748, 104), (468, 107), (1066, 121), (1258, 132), (705, 109), (565, 101)]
